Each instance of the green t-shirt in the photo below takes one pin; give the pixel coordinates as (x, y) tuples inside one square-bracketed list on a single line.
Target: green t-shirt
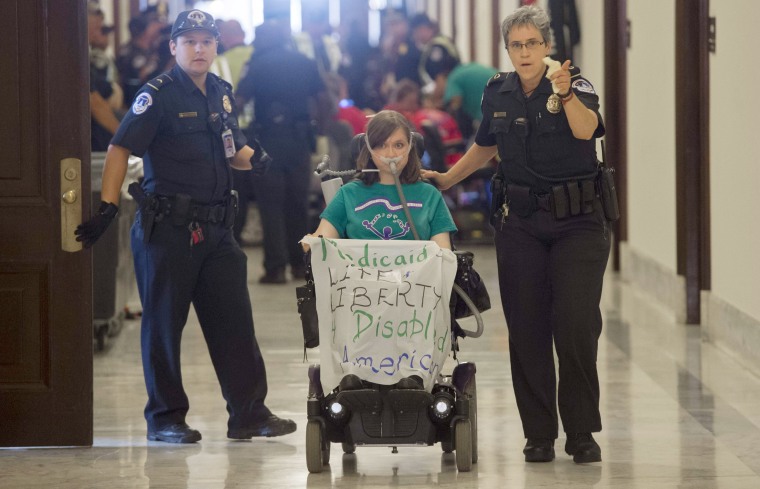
[(360, 211), (468, 81)]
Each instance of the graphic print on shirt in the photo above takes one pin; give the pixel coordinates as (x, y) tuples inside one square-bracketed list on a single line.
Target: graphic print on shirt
[(390, 222)]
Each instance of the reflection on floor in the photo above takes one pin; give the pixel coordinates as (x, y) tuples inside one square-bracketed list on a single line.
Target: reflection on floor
[(676, 413)]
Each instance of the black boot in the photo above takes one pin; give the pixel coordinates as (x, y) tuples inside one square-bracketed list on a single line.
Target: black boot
[(583, 448), (350, 382), (411, 382), (539, 450)]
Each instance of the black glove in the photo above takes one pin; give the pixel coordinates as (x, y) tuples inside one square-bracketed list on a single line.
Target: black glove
[(89, 232), (260, 160)]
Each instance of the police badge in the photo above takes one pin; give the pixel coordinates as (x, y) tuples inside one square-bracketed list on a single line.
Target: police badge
[(553, 104), (226, 104)]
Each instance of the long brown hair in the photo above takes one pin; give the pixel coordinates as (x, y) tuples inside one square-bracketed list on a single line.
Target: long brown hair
[(379, 129)]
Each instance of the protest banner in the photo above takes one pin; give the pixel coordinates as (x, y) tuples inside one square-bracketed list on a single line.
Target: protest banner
[(383, 308)]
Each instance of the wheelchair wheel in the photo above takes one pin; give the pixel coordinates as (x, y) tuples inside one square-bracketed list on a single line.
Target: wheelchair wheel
[(463, 445), (315, 451), (472, 391), (348, 447)]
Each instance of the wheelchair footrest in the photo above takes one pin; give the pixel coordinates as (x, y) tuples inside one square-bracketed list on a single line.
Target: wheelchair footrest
[(362, 400), (409, 400)]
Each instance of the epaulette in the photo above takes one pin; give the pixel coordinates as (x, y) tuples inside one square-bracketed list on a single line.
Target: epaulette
[(227, 85), (160, 81), (574, 72), (498, 77)]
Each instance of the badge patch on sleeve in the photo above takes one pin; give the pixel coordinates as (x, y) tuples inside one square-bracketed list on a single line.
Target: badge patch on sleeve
[(436, 54), (583, 86), (142, 102)]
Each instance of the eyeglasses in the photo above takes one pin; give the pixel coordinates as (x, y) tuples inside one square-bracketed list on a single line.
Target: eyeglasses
[(531, 45)]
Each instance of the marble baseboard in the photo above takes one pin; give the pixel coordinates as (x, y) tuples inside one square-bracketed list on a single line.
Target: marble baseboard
[(655, 280), (731, 330), (728, 328)]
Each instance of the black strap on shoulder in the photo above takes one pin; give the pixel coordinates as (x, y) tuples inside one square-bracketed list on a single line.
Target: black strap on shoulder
[(497, 78), (160, 81)]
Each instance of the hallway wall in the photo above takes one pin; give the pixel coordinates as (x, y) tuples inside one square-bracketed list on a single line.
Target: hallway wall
[(649, 256), (734, 168), (589, 54), (652, 88), (732, 309)]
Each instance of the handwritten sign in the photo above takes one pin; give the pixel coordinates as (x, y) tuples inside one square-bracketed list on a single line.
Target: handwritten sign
[(383, 308)]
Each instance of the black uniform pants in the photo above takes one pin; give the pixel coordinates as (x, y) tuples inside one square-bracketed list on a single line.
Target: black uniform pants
[(212, 275), (550, 279), (283, 198)]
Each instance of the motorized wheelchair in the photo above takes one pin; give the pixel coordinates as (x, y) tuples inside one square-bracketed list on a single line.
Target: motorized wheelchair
[(387, 415)]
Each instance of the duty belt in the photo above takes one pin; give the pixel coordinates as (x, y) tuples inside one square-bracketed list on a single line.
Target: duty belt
[(571, 198), (181, 210), (173, 206)]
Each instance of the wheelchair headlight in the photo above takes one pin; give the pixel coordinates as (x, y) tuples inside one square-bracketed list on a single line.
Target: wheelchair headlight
[(442, 407), (336, 411)]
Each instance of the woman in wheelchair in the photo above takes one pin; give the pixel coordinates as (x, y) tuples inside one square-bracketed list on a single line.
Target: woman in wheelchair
[(370, 206)]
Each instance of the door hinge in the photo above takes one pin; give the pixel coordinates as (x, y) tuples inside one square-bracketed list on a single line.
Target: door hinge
[(711, 34)]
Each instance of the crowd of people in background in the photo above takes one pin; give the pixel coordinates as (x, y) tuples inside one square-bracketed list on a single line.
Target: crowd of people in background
[(361, 76), (414, 69)]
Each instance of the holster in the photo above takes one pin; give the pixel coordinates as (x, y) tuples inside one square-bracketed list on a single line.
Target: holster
[(148, 204), (522, 201), (605, 184), (231, 209)]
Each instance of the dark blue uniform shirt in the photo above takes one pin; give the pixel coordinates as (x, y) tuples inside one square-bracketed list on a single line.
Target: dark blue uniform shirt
[(545, 143), (178, 132), (281, 81)]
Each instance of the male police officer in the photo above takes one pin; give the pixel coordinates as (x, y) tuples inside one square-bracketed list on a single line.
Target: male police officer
[(184, 124)]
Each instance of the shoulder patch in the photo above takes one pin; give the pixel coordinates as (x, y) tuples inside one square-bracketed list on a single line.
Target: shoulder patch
[(498, 77), (160, 81), (583, 85), (142, 103)]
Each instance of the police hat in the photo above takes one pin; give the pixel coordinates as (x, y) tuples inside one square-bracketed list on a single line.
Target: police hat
[(194, 20)]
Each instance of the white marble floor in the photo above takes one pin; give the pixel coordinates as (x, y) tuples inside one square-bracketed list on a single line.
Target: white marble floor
[(676, 413)]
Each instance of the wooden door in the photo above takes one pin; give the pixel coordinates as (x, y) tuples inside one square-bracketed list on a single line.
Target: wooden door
[(45, 292)]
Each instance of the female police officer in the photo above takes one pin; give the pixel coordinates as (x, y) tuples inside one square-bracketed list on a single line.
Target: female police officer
[(551, 237), (184, 124)]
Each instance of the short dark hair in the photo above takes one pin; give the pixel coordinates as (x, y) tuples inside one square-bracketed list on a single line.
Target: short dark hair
[(420, 20), (137, 26)]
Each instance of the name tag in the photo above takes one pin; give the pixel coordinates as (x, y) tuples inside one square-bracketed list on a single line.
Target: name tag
[(184, 115), (229, 144)]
